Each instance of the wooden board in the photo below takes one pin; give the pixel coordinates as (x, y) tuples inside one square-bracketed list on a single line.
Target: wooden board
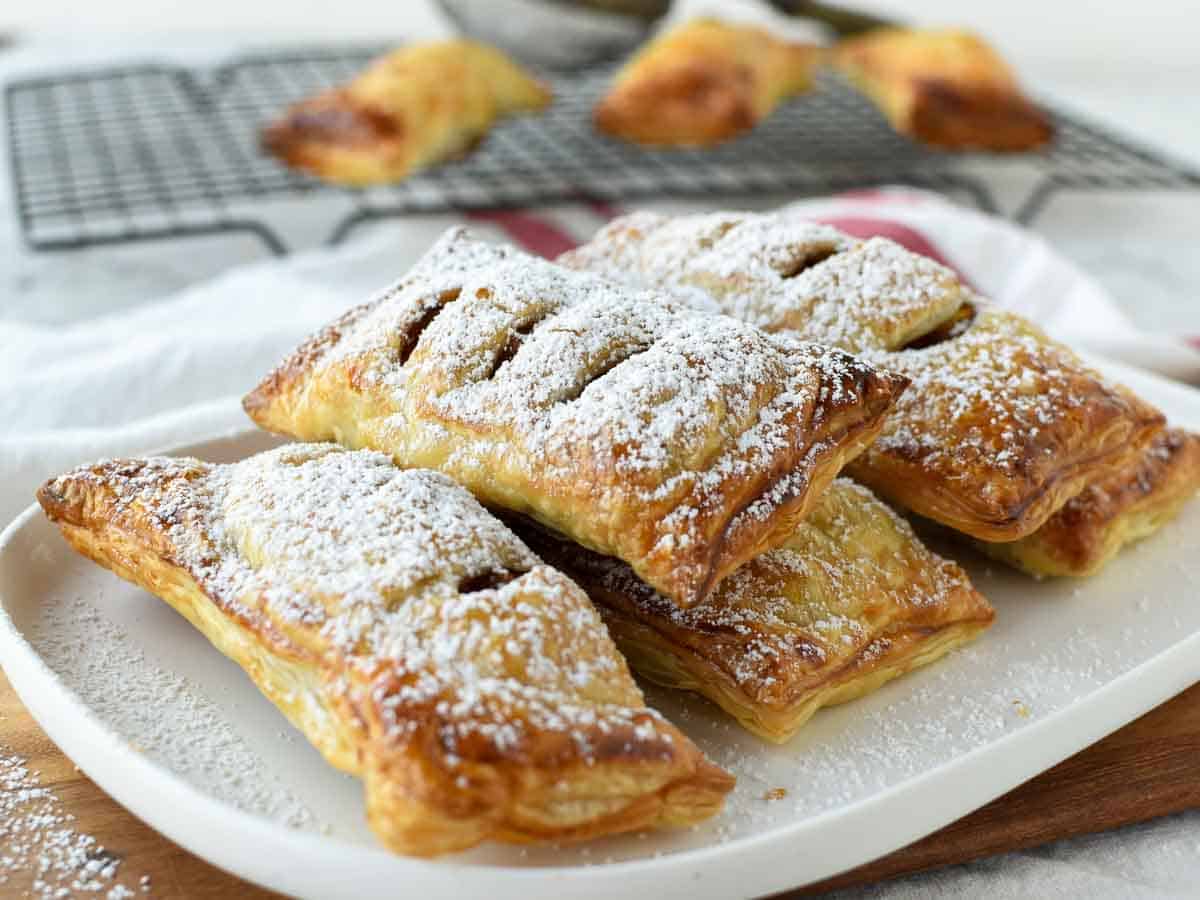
[(1147, 769), (174, 873)]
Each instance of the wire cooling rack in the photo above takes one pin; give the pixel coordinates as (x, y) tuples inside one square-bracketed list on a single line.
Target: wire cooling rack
[(159, 151)]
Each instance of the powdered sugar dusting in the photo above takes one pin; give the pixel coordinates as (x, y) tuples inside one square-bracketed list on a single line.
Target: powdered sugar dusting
[(994, 374), (852, 572), (488, 358), (997, 399), (780, 272), (428, 599), (994, 405)]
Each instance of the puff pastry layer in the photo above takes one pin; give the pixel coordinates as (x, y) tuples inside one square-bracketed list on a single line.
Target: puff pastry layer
[(947, 88), (703, 82), (684, 444), (1001, 425), (410, 109), (1092, 527), (852, 600), (412, 638)]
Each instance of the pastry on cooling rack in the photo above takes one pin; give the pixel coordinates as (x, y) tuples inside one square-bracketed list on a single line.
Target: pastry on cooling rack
[(1134, 502), (943, 87), (1001, 425), (412, 638), (703, 82), (850, 601), (413, 108), (682, 443)]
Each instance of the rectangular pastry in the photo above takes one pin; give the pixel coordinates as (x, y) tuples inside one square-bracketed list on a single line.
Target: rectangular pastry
[(852, 600), (1001, 426), (684, 444), (1134, 502), (412, 638), (414, 107), (943, 87), (703, 82)]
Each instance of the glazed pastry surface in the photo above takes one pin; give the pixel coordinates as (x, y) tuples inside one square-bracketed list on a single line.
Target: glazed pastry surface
[(945, 87), (704, 82), (1093, 526), (852, 600), (684, 444), (414, 640), (1001, 425), (412, 108)]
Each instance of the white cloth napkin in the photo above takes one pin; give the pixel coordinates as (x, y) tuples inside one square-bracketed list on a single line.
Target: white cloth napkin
[(173, 372)]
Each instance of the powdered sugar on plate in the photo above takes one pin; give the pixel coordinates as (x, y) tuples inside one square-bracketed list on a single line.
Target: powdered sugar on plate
[(42, 853), (162, 715)]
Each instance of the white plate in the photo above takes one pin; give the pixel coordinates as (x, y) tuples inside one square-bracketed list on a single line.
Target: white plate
[(177, 734)]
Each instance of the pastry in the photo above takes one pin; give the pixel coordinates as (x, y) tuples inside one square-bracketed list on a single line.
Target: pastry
[(1001, 425), (684, 444), (1006, 428), (1092, 527), (413, 639), (703, 82), (415, 107), (780, 272), (850, 601), (944, 87)]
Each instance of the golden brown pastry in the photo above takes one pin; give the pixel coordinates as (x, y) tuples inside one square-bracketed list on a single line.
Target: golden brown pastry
[(1007, 427), (412, 638), (1001, 425), (852, 600), (780, 272), (703, 82), (416, 106), (684, 444), (943, 87), (1092, 527)]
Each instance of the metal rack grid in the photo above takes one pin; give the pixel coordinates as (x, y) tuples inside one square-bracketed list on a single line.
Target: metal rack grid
[(158, 151)]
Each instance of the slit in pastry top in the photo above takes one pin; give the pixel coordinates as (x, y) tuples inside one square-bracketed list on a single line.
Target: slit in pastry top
[(412, 637), (680, 442), (1001, 425)]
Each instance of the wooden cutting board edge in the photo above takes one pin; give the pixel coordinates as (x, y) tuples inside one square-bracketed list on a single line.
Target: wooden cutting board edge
[(1147, 769)]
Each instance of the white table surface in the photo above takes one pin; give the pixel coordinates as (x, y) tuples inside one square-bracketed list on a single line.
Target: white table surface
[(1142, 247)]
